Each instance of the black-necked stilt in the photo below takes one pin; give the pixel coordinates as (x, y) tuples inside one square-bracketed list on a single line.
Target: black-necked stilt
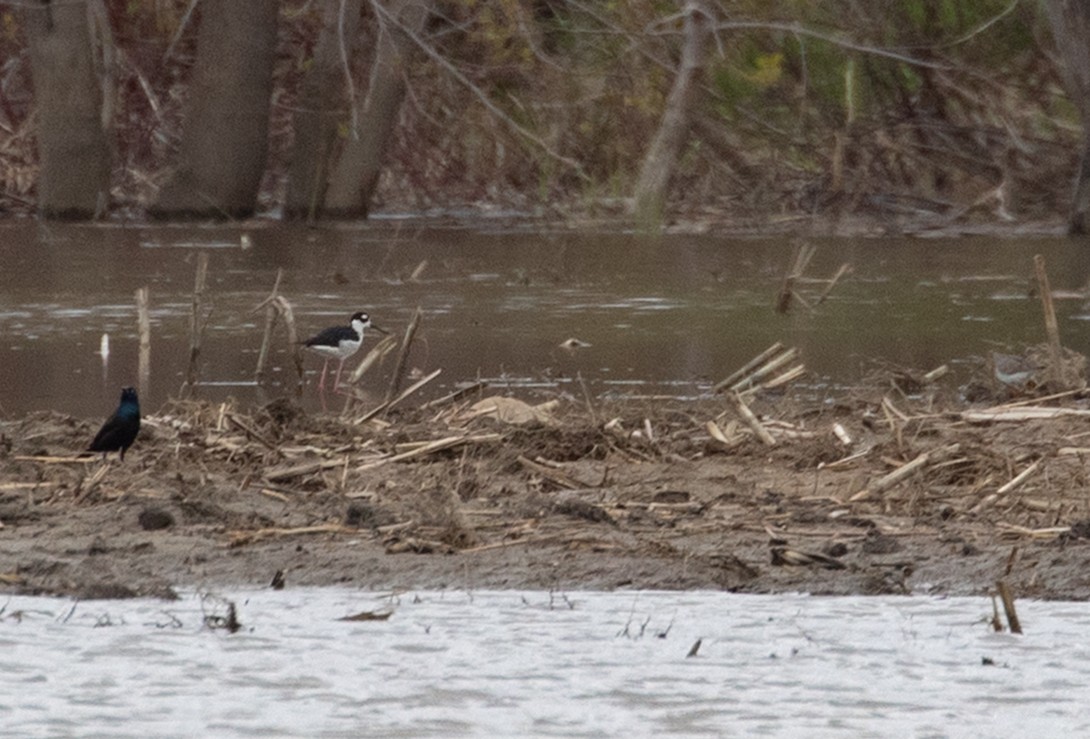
[(340, 342), (120, 429)]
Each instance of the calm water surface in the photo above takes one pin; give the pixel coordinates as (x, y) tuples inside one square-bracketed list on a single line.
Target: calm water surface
[(541, 664), (668, 315)]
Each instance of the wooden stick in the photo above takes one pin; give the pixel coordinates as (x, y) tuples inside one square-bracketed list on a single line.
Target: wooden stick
[(751, 420), (196, 325), (143, 322), (1008, 607), (1052, 329), (403, 355)]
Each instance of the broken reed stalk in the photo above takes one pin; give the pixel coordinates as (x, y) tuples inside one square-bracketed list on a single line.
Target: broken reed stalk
[(749, 366), (1052, 329), (403, 355), (1007, 597), (143, 323), (845, 269), (270, 324), (284, 309), (391, 403), (196, 325), (751, 420), (803, 254), (1019, 478), (455, 396), (904, 471), (765, 370)]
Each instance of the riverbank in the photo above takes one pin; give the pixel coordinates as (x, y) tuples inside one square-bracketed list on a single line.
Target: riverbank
[(897, 487)]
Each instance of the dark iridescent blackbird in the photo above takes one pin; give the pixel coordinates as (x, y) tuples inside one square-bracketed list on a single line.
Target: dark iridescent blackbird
[(120, 429)]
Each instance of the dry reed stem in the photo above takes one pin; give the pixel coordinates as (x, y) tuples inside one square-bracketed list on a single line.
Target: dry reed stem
[(553, 475), (845, 269), (751, 420), (802, 256), (240, 537), (1007, 597), (748, 367), (765, 369), (904, 471), (196, 324), (1052, 329), (381, 408), (270, 323), (143, 323), (455, 396), (403, 354)]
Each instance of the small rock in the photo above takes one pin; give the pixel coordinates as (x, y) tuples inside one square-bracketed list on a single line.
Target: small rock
[(154, 519)]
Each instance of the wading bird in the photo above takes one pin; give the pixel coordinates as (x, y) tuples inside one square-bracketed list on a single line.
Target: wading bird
[(340, 342)]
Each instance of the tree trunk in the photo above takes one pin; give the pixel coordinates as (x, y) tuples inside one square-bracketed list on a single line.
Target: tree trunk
[(661, 158), (225, 143), (356, 173), (74, 179), (1070, 21), (322, 104)]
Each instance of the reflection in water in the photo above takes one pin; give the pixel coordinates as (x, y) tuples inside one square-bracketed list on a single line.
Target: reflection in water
[(664, 315)]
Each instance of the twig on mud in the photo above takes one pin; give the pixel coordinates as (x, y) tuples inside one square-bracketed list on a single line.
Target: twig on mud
[(1050, 532), (516, 542), (253, 433), (55, 460), (1024, 413), (238, 538), (904, 471), (455, 396), (553, 475), (301, 470), (88, 484), (1016, 482), (751, 420), (431, 447), (391, 403)]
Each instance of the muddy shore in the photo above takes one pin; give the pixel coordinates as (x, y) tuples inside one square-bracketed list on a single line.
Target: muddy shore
[(896, 488)]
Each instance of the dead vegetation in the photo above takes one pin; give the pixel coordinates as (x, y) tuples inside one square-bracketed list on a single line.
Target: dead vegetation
[(900, 485)]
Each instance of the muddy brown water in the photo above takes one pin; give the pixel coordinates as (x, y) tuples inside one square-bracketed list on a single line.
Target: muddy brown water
[(665, 315)]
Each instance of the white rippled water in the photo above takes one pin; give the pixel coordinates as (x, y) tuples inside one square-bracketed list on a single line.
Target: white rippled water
[(540, 664)]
